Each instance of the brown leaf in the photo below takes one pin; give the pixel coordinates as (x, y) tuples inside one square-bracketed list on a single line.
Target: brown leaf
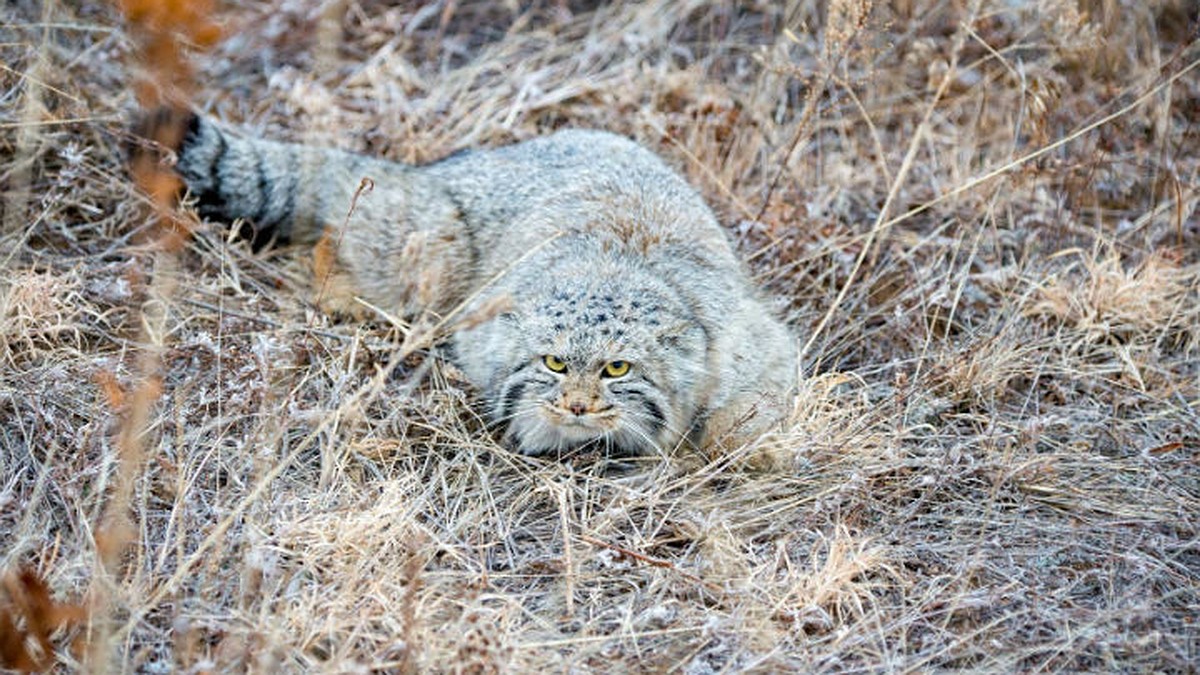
[(113, 392), (1165, 448), (29, 614)]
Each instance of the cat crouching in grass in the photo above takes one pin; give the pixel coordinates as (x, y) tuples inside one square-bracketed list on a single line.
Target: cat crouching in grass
[(628, 326)]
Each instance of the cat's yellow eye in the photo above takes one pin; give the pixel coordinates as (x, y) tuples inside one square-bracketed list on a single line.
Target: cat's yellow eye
[(554, 364), (616, 368)]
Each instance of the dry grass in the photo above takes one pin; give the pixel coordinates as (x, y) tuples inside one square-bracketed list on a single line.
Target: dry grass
[(981, 219)]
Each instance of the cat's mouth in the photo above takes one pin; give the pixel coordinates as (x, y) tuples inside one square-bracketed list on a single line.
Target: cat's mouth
[(576, 432), (565, 432), (595, 420)]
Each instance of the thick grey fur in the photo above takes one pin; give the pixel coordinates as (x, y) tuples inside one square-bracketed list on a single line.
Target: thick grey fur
[(598, 251)]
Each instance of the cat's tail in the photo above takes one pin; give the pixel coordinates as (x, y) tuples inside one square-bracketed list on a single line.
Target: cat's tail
[(282, 191), (404, 246)]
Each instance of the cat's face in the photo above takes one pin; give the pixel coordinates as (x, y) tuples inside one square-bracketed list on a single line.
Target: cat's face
[(609, 366)]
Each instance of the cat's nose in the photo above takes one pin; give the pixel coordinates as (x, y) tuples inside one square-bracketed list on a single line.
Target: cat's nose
[(577, 408)]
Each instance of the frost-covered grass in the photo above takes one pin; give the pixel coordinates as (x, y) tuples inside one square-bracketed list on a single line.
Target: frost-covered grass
[(980, 218)]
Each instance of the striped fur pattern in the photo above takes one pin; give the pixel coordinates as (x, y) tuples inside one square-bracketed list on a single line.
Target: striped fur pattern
[(630, 324)]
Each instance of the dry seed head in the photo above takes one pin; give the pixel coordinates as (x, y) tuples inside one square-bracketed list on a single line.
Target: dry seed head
[(846, 18), (980, 371), (836, 582), (1074, 37), (38, 310), (1114, 301)]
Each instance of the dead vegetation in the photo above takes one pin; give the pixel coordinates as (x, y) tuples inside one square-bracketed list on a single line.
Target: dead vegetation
[(981, 219)]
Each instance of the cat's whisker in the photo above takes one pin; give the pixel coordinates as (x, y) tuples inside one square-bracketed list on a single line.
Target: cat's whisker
[(651, 445), (647, 420), (502, 421)]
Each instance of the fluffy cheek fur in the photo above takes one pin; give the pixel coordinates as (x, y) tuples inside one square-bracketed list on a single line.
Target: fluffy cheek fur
[(630, 416)]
